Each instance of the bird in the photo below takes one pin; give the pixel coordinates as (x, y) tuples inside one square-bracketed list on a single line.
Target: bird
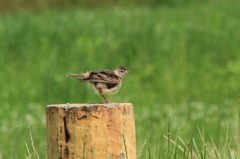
[(105, 81)]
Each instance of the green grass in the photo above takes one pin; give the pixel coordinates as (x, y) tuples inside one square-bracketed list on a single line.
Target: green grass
[(185, 62)]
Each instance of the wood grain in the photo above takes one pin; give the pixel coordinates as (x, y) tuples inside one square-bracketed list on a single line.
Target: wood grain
[(91, 131)]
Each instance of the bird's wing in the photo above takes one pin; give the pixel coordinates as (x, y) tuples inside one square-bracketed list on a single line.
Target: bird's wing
[(104, 76)]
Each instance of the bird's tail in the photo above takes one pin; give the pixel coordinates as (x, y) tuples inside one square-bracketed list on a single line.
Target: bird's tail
[(81, 76), (74, 75)]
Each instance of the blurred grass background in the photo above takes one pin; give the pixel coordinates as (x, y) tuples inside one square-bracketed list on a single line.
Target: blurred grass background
[(13, 5), (184, 55)]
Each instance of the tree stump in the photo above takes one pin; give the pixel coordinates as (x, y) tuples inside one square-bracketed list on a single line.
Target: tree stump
[(91, 131)]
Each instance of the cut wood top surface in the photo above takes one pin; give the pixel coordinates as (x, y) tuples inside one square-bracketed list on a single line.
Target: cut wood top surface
[(75, 105)]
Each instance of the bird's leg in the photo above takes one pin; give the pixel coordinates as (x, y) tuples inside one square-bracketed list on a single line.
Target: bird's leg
[(106, 101)]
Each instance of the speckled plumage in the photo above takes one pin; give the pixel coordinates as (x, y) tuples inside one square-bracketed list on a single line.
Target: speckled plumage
[(105, 81)]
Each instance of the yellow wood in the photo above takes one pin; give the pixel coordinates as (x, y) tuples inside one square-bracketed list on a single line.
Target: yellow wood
[(91, 131)]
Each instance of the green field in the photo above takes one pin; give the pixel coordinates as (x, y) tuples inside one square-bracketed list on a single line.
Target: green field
[(185, 82)]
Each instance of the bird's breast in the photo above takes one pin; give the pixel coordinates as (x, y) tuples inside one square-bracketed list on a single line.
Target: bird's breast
[(106, 88)]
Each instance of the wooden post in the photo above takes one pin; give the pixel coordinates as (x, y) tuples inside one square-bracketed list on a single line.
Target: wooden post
[(91, 131)]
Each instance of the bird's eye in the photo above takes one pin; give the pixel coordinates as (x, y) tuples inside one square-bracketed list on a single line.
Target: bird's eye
[(122, 70)]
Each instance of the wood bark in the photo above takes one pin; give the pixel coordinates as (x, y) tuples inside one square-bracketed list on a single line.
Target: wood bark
[(91, 131)]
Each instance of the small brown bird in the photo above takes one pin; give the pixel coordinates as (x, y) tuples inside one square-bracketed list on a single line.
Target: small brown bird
[(105, 81)]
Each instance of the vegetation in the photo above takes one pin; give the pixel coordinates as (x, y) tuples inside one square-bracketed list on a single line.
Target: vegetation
[(185, 83), (15, 5)]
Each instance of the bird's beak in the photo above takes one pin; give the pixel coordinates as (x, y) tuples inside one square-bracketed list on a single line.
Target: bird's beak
[(129, 72)]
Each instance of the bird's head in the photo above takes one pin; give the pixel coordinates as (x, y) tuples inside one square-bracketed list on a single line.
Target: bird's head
[(121, 71)]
